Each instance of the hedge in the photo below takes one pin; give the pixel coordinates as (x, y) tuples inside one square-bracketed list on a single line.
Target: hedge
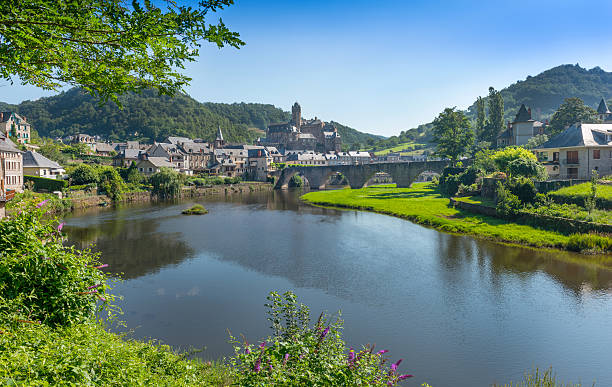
[(43, 183)]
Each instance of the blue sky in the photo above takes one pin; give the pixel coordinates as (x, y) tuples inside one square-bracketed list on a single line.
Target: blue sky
[(384, 66)]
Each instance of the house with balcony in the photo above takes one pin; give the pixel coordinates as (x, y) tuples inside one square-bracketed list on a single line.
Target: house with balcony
[(577, 151), (11, 168)]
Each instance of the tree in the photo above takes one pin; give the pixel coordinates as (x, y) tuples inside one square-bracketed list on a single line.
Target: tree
[(536, 141), (505, 156), (84, 174), (452, 134), (108, 47), (528, 168), (495, 121), (111, 183), (132, 175), (481, 118), (167, 183), (571, 111)]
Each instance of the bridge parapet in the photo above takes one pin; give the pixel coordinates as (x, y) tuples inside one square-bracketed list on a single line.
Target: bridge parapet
[(404, 173)]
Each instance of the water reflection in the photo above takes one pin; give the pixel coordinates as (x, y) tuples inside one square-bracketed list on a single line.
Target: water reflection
[(482, 311)]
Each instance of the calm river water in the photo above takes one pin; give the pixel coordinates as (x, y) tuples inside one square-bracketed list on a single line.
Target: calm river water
[(459, 311)]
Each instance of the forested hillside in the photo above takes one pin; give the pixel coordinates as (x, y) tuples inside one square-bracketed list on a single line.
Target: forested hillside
[(543, 93), (149, 116), (547, 90)]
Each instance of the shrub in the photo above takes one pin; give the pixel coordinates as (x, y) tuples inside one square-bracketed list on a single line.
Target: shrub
[(231, 180), (296, 181), (470, 175), (43, 183), (524, 189), (84, 174), (40, 278), (300, 354), (508, 204), (589, 242), (449, 185)]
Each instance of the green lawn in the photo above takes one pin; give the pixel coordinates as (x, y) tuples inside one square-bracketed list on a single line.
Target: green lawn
[(584, 189), (423, 204), (403, 147)]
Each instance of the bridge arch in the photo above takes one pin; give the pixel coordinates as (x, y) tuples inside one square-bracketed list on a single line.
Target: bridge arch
[(357, 175)]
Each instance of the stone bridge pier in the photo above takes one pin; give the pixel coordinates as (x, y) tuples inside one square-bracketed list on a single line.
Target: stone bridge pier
[(403, 174)]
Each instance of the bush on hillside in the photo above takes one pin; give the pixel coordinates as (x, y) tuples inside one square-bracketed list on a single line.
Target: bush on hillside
[(524, 189), (504, 156), (527, 167), (508, 204)]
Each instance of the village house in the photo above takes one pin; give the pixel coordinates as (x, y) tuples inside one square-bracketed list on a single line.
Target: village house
[(150, 165), (306, 158), (360, 157), (16, 126), (104, 149), (35, 164), (125, 157), (577, 151), (173, 154), (259, 163), (11, 166), (521, 129)]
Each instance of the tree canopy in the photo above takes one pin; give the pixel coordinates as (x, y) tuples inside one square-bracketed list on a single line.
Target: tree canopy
[(452, 134), (571, 111), (108, 47)]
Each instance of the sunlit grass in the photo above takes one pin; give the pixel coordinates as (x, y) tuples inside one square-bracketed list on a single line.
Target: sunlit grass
[(423, 204)]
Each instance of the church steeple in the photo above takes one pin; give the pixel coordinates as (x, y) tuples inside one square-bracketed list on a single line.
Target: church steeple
[(219, 141)]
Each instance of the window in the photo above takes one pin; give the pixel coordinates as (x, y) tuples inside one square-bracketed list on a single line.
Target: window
[(572, 157), (596, 154), (556, 156), (572, 173)]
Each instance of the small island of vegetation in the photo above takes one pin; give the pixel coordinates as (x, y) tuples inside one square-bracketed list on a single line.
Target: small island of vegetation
[(196, 209)]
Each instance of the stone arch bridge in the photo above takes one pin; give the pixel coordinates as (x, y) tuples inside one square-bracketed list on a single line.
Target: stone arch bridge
[(403, 173)]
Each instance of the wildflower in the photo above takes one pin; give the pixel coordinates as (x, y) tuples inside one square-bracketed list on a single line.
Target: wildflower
[(39, 205), (91, 292), (286, 358), (262, 345), (258, 365), (395, 365), (101, 266), (325, 332), (382, 352), (102, 298), (94, 286), (351, 356), (247, 350), (60, 226), (402, 377)]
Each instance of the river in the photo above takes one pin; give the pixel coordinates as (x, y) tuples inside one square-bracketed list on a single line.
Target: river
[(459, 311)]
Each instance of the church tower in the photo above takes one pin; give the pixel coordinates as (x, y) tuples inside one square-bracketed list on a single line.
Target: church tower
[(296, 115), (219, 141)]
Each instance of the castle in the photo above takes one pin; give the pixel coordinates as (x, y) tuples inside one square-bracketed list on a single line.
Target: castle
[(303, 134)]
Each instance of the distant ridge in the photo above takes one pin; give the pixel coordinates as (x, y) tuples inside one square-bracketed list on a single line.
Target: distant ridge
[(151, 117)]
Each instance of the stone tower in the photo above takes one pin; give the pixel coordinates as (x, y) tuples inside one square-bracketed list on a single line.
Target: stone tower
[(296, 115), (219, 141)]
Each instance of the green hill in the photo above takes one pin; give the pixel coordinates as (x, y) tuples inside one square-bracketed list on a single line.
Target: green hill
[(544, 92), (149, 116)]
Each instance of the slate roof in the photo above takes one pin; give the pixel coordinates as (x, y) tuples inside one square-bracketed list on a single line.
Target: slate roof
[(33, 159), (6, 145), (160, 162), (522, 115), (104, 147), (505, 134), (178, 140), (579, 135), (129, 153), (603, 107)]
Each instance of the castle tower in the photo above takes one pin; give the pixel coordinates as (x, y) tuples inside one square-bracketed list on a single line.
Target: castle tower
[(603, 111), (296, 115)]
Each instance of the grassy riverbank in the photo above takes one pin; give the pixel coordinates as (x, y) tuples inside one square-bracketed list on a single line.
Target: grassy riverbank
[(423, 204)]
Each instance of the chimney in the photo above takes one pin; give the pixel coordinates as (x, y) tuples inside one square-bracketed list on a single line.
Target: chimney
[(529, 111)]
